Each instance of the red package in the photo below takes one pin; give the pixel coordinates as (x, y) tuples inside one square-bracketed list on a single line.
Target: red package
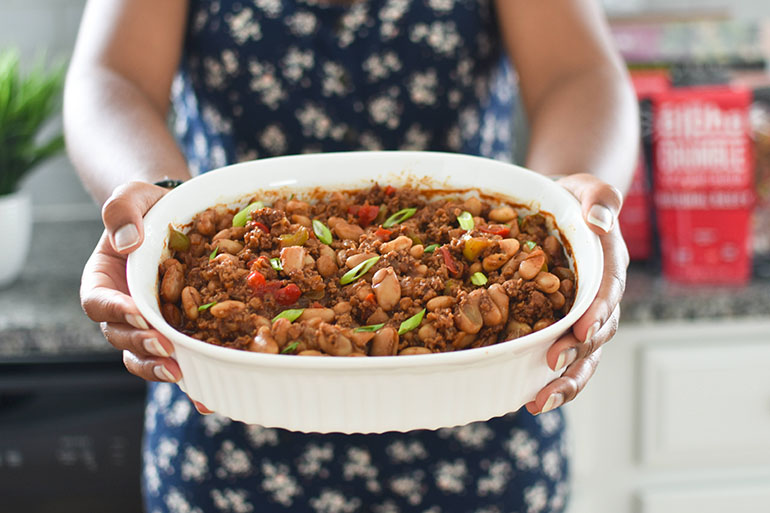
[(635, 218), (703, 176)]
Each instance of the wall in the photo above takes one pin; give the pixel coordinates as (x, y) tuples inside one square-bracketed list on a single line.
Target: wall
[(48, 26)]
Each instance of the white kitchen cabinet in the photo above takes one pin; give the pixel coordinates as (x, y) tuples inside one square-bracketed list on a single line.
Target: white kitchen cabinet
[(676, 420), (735, 498)]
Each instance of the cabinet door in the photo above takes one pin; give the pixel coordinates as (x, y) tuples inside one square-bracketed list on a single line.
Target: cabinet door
[(738, 498), (706, 402)]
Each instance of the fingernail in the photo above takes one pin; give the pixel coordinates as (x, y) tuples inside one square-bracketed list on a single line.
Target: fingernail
[(126, 236), (591, 332), (601, 216), (163, 374), (554, 401), (566, 357), (200, 408), (152, 346), (137, 321)]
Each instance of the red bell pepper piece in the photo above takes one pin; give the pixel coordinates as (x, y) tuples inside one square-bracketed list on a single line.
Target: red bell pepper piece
[(496, 229), (256, 280), (365, 213), (449, 262), (383, 234), (287, 295)]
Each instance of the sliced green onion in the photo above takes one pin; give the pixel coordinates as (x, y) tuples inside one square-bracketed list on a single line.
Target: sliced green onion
[(178, 241), (322, 232), (431, 248), (466, 221), (242, 217), (411, 323), (399, 217), (479, 279), (205, 307), (530, 245), (276, 264), (358, 271), (371, 327), (291, 314), (290, 348), (213, 254)]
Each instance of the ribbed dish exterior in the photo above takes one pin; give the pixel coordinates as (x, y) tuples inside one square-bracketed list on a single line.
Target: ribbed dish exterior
[(371, 401)]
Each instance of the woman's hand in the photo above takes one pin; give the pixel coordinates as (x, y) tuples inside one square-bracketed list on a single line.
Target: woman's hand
[(580, 350), (104, 292)]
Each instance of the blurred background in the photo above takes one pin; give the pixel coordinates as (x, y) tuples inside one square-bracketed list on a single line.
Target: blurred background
[(676, 420)]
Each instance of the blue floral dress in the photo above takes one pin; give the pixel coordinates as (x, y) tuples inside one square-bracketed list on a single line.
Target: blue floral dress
[(260, 78)]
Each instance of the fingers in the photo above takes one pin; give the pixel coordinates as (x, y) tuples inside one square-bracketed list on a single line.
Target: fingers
[(564, 389), (102, 304), (152, 368), (140, 342), (201, 408), (580, 360), (600, 201), (103, 290), (104, 297), (122, 213), (569, 348), (611, 288), (601, 204), (146, 353)]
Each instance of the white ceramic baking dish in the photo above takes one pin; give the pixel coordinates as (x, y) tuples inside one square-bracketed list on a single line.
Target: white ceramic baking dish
[(376, 394)]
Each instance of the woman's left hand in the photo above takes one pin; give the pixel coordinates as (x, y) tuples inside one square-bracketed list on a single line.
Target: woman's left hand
[(580, 349)]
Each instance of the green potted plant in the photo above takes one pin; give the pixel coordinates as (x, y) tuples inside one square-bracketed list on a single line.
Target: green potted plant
[(28, 102)]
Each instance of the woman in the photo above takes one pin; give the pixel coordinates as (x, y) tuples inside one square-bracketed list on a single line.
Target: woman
[(262, 78)]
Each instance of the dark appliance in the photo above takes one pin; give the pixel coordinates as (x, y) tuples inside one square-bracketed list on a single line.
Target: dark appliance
[(70, 434)]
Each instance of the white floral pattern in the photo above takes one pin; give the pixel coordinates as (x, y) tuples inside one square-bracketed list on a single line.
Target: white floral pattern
[(243, 26), (380, 66), (331, 501), (496, 479), (392, 473), (434, 73), (301, 23), (450, 477), (311, 464), (195, 465), (229, 500), (279, 483)]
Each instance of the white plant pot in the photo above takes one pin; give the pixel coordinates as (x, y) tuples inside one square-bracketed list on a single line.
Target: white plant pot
[(15, 235)]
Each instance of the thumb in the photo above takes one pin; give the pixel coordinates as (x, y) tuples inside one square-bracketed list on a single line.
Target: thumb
[(600, 201), (123, 211)]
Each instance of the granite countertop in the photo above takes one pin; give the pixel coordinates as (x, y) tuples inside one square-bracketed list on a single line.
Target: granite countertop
[(40, 313)]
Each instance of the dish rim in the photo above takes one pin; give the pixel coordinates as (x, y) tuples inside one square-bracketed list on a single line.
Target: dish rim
[(474, 356)]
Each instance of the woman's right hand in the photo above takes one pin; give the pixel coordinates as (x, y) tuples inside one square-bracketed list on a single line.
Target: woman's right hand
[(104, 292)]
